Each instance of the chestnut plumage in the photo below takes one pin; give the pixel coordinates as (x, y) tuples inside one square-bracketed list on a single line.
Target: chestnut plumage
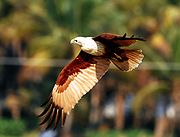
[(82, 74)]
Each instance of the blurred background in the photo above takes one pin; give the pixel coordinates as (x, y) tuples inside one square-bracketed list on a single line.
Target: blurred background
[(34, 47)]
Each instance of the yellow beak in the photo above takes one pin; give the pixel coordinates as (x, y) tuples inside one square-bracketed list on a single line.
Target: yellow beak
[(72, 41)]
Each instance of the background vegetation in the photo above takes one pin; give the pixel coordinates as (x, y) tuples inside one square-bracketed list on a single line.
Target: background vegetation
[(34, 46)]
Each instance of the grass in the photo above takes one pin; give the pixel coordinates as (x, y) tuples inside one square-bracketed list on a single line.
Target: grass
[(16, 128), (11, 128), (117, 133)]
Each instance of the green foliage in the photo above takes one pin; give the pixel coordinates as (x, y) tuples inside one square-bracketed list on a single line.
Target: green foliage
[(46, 26), (176, 46), (149, 91), (11, 127)]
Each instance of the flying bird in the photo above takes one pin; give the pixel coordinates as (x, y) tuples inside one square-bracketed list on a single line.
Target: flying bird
[(82, 74)]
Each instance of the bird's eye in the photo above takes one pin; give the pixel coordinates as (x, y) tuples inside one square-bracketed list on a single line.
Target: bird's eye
[(75, 40)]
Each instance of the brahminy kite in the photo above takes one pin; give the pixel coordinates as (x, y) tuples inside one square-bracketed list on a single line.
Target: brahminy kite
[(82, 74)]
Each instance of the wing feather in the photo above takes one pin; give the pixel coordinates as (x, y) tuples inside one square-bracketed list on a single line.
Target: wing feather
[(74, 81), (127, 60), (57, 118), (110, 39)]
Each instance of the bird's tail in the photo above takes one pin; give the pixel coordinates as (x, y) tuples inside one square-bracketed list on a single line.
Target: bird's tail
[(127, 59)]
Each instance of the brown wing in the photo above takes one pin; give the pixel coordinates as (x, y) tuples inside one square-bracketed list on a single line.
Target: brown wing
[(116, 40), (75, 80), (127, 59)]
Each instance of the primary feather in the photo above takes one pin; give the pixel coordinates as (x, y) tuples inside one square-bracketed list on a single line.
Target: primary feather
[(81, 75)]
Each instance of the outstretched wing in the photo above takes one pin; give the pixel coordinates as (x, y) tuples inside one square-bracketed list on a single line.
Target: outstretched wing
[(75, 80), (116, 40)]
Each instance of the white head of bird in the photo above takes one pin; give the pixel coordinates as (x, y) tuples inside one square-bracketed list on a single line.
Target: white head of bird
[(88, 45)]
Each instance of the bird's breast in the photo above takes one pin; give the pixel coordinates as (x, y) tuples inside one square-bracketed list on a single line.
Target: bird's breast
[(98, 49)]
